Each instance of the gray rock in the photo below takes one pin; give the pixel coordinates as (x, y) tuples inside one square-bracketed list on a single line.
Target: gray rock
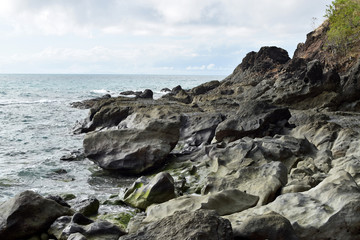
[(327, 211), (132, 151), (87, 207), (224, 202), (253, 119), (205, 87), (202, 224), (147, 93), (142, 193), (28, 213), (270, 226), (76, 236)]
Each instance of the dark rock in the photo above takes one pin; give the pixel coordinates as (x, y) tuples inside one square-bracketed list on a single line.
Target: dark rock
[(127, 93), (176, 89), (352, 83), (87, 207), (148, 149), (146, 94), (165, 90), (205, 87), (314, 72), (202, 224), (76, 155), (80, 219), (59, 200), (142, 193), (86, 104), (254, 119), (27, 214)]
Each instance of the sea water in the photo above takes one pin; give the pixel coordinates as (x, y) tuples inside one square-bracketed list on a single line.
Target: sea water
[(36, 122)]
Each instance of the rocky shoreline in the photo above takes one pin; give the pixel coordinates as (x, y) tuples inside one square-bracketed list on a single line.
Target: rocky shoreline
[(270, 152)]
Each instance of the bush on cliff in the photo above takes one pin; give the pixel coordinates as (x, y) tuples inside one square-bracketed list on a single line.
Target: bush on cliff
[(344, 18)]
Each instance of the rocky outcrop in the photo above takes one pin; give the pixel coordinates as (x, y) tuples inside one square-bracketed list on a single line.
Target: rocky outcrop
[(143, 193), (148, 147), (27, 214), (223, 202), (201, 224)]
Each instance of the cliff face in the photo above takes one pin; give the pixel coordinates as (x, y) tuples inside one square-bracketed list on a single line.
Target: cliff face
[(315, 48)]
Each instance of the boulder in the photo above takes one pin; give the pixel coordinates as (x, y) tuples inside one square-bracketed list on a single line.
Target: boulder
[(270, 226), (87, 207), (253, 119), (201, 224), (143, 193), (147, 93), (28, 213), (224, 202), (327, 211), (86, 104), (132, 151)]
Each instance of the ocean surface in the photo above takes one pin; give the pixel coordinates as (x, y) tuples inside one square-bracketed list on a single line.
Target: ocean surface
[(36, 130)]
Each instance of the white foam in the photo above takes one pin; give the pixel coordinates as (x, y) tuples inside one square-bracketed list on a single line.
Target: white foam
[(100, 91)]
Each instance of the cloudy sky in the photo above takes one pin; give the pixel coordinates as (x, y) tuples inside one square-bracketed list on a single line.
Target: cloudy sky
[(147, 36)]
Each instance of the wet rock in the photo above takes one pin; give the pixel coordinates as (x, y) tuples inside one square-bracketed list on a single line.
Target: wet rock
[(165, 90), (59, 200), (143, 193), (81, 227), (87, 207), (17, 215), (76, 155), (147, 93), (148, 148), (86, 104), (201, 224), (127, 93)]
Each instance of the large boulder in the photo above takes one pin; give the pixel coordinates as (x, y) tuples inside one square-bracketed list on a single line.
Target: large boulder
[(143, 193), (201, 224), (205, 87), (28, 213), (327, 211), (224, 202), (132, 151), (253, 119)]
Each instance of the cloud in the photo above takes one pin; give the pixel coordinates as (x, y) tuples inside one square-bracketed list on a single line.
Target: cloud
[(151, 33)]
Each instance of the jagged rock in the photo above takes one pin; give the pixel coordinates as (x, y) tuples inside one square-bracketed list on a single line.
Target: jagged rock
[(144, 193), (27, 214), (165, 90), (201, 224), (328, 211), (148, 148), (224, 202), (352, 83), (176, 89), (254, 119)]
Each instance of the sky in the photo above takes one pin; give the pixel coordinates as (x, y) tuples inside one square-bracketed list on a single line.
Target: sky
[(208, 37)]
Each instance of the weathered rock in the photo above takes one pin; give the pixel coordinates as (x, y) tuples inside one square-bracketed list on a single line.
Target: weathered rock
[(205, 87), (86, 104), (28, 213), (197, 225), (254, 119), (143, 193), (352, 83), (224, 202), (132, 151), (127, 93), (328, 211), (88, 207), (270, 226)]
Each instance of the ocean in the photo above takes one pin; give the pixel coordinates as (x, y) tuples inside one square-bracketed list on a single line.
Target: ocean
[(37, 120)]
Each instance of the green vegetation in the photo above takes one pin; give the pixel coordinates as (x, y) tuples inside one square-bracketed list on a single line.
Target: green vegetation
[(344, 19)]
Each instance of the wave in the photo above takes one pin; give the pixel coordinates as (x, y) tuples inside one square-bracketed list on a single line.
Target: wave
[(100, 91), (22, 102)]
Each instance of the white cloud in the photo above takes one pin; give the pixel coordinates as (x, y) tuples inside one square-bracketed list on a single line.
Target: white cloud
[(151, 33)]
